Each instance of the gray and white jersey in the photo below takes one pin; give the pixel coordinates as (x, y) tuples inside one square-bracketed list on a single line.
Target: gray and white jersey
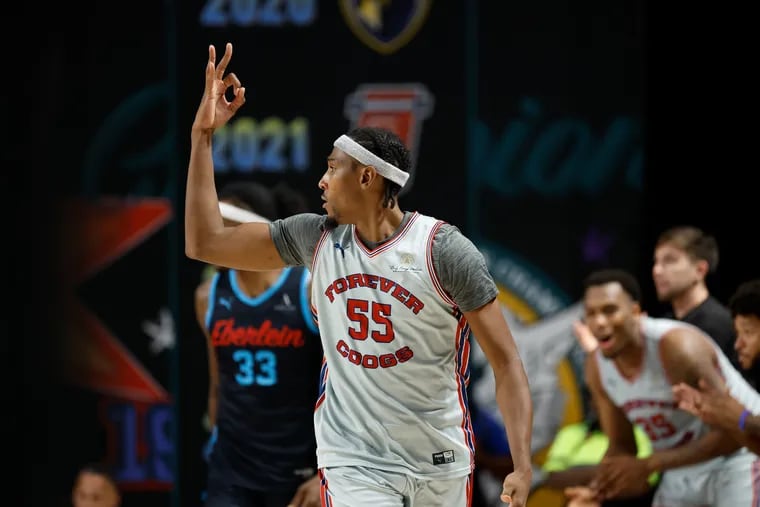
[(647, 399), (396, 344)]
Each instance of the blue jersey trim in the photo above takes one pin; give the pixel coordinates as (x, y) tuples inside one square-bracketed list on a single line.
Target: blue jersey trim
[(211, 300), (264, 296)]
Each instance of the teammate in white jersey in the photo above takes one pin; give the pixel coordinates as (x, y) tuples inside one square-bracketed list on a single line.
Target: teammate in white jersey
[(397, 296), (631, 376)]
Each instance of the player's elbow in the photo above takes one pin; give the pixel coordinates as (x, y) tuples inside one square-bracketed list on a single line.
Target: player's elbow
[(192, 250), (197, 250)]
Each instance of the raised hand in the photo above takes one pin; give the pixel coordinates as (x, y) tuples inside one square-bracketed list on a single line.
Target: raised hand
[(215, 110), (585, 338)]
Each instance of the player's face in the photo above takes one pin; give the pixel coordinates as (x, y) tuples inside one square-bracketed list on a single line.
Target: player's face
[(674, 272), (747, 343), (612, 316), (94, 490), (340, 187)]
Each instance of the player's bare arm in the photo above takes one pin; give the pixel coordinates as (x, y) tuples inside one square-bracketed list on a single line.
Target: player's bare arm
[(620, 473), (751, 434), (614, 423), (512, 393), (201, 307), (688, 356), (246, 246), (752, 426)]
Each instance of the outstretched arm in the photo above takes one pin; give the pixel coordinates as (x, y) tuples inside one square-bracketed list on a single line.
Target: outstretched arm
[(246, 246), (512, 390)]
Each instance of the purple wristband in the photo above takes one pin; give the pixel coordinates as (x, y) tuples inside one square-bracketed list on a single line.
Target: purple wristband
[(743, 419)]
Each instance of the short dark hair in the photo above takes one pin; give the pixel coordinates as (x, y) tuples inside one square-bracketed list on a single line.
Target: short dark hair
[(746, 299), (99, 470), (271, 203), (626, 280), (389, 147), (695, 242)]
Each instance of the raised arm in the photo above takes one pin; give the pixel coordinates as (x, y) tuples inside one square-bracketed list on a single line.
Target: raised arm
[(512, 390), (246, 246), (688, 356)]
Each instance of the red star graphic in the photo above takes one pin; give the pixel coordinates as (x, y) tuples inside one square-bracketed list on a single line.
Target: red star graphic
[(94, 234)]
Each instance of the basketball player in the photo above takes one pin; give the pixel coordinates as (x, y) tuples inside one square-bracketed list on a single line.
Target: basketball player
[(264, 361), (396, 296), (683, 257), (630, 376)]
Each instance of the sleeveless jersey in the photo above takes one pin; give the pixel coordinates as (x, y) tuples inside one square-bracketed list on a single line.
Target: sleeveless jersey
[(396, 348), (648, 401), (268, 354)]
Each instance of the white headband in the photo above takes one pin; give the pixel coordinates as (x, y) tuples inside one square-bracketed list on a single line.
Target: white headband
[(366, 157), (239, 215)]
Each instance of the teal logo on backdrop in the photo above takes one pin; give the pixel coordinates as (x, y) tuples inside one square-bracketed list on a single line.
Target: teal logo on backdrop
[(555, 157)]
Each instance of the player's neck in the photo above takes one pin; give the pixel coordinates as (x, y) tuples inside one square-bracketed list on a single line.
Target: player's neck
[(689, 299), (380, 224), (255, 283), (629, 362)]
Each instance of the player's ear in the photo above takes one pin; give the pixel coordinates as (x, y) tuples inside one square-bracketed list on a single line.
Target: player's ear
[(703, 267), (367, 176)]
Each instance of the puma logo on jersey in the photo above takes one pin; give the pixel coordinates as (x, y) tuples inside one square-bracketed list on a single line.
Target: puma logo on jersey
[(225, 303), (286, 304), (342, 248)]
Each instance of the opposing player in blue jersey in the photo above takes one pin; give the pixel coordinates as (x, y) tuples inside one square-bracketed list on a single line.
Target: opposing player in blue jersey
[(397, 296), (264, 361)]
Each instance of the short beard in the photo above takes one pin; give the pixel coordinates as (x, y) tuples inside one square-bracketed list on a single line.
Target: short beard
[(330, 224)]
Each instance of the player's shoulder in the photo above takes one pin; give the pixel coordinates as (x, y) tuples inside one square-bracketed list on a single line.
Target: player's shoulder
[(680, 341), (300, 272), (671, 331), (443, 228)]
